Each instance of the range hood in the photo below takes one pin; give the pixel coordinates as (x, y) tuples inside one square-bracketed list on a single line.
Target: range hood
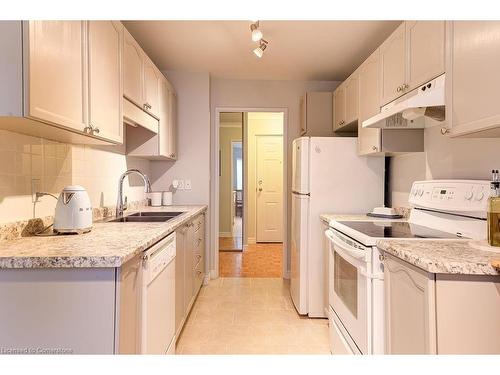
[(410, 110)]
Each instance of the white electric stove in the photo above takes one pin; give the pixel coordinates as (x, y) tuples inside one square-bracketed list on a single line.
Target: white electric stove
[(441, 210)]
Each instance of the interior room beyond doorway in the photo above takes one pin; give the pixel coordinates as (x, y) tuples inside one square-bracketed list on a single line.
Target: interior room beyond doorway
[(251, 228)]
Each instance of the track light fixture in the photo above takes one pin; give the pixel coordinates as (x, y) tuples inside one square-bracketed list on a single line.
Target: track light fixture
[(256, 33), (259, 51)]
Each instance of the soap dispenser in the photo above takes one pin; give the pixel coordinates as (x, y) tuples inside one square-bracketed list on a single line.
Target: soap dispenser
[(494, 210)]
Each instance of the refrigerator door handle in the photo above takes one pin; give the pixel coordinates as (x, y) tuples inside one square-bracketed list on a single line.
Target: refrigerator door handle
[(296, 192)]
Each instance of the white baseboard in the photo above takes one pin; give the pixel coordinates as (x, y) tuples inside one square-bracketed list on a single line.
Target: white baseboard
[(286, 275), (225, 234), (251, 241)]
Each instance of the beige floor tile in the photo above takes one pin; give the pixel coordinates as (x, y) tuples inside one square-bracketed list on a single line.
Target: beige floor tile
[(250, 316)]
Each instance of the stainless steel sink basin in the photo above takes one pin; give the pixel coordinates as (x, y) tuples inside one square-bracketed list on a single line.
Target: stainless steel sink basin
[(141, 219), (158, 213)]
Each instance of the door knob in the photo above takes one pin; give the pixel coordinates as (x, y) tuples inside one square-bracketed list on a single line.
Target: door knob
[(260, 189)]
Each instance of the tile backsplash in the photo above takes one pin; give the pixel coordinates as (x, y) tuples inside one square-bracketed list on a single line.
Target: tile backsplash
[(27, 161)]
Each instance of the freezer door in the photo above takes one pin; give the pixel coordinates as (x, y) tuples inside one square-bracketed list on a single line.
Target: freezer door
[(299, 248), (300, 165)]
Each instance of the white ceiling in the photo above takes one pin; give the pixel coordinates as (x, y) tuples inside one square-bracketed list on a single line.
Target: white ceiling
[(298, 50)]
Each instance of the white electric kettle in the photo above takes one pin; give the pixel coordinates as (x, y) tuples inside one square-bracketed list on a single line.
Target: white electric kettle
[(73, 211)]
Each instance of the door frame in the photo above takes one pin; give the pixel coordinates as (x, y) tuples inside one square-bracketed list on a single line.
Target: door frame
[(214, 194), (256, 174), (233, 141)]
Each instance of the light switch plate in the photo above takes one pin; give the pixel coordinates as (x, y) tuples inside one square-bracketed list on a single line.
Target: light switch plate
[(181, 185), (187, 184)]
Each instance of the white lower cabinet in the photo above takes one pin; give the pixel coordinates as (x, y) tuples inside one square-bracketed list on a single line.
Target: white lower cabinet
[(75, 310), (190, 267), (428, 313)]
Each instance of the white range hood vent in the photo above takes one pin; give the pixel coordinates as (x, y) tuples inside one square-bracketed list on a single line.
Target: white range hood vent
[(409, 111)]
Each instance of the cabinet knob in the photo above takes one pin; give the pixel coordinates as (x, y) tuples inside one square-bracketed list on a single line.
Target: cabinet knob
[(87, 129), (405, 86), (399, 89), (95, 130), (374, 148), (444, 131)]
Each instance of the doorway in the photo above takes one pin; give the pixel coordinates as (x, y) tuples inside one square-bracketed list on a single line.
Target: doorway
[(251, 199)]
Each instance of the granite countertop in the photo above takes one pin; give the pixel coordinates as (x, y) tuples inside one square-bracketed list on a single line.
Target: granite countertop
[(449, 257), (107, 245)]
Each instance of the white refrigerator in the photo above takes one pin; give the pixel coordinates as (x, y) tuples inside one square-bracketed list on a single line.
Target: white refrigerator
[(328, 176)]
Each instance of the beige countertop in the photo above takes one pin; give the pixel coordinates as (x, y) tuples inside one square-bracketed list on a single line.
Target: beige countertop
[(444, 256), (107, 245)]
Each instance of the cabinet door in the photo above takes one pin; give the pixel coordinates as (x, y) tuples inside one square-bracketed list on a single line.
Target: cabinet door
[(132, 70), (369, 104), (57, 79), (105, 79), (164, 119), (473, 78), (172, 125), (151, 88), (180, 312), (339, 107), (303, 115), (188, 268), (410, 315), (425, 46), (392, 60), (351, 99)]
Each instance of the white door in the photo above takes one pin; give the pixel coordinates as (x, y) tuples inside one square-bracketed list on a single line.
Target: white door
[(300, 165), (269, 188)]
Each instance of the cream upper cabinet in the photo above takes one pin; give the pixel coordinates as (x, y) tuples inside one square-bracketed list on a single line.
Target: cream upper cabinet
[(133, 79), (410, 314), (351, 99), (172, 126), (369, 104), (392, 65), (151, 88), (339, 107), (57, 71), (473, 78), (167, 125), (426, 51), (105, 40)]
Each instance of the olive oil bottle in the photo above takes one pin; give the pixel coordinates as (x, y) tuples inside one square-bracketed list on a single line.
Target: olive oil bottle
[(494, 211)]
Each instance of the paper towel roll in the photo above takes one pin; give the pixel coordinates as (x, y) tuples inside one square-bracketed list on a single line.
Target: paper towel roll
[(167, 198)]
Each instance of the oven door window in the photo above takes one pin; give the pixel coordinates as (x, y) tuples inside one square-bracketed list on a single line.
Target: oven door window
[(346, 283)]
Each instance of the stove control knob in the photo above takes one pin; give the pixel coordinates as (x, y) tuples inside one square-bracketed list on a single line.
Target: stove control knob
[(420, 192), (479, 195), (468, 195)]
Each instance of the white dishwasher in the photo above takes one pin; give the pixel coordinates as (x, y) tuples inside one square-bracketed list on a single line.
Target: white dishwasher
[(158, 298)]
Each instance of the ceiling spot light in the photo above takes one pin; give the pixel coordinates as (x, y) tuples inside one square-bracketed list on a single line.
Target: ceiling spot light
[(256, 33), (259, 51)]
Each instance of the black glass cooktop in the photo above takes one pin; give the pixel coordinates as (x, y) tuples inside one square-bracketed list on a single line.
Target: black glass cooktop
[(396, 230)]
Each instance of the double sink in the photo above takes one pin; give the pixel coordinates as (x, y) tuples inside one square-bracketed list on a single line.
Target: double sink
[(146, 217)]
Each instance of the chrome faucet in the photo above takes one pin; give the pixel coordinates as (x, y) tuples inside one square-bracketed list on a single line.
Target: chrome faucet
[(119, 203)]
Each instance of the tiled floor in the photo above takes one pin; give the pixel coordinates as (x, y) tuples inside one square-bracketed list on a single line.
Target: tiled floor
[(258, 260), (250, 316)]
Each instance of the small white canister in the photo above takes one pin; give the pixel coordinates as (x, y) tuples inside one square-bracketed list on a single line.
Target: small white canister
[(155, 198), (167, 198)]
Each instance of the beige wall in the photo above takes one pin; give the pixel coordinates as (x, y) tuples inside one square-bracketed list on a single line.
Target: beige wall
[(267, 94), (226, 136), (443, 158), (259, 123), (56, 165), (193, 140)]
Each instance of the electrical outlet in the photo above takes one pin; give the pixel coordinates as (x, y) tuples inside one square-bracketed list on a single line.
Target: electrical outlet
[(181, 185), (36, 186), (187, 184)]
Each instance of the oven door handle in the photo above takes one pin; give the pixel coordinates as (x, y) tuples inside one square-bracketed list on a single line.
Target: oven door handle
[(344, 249), (373, 276)]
